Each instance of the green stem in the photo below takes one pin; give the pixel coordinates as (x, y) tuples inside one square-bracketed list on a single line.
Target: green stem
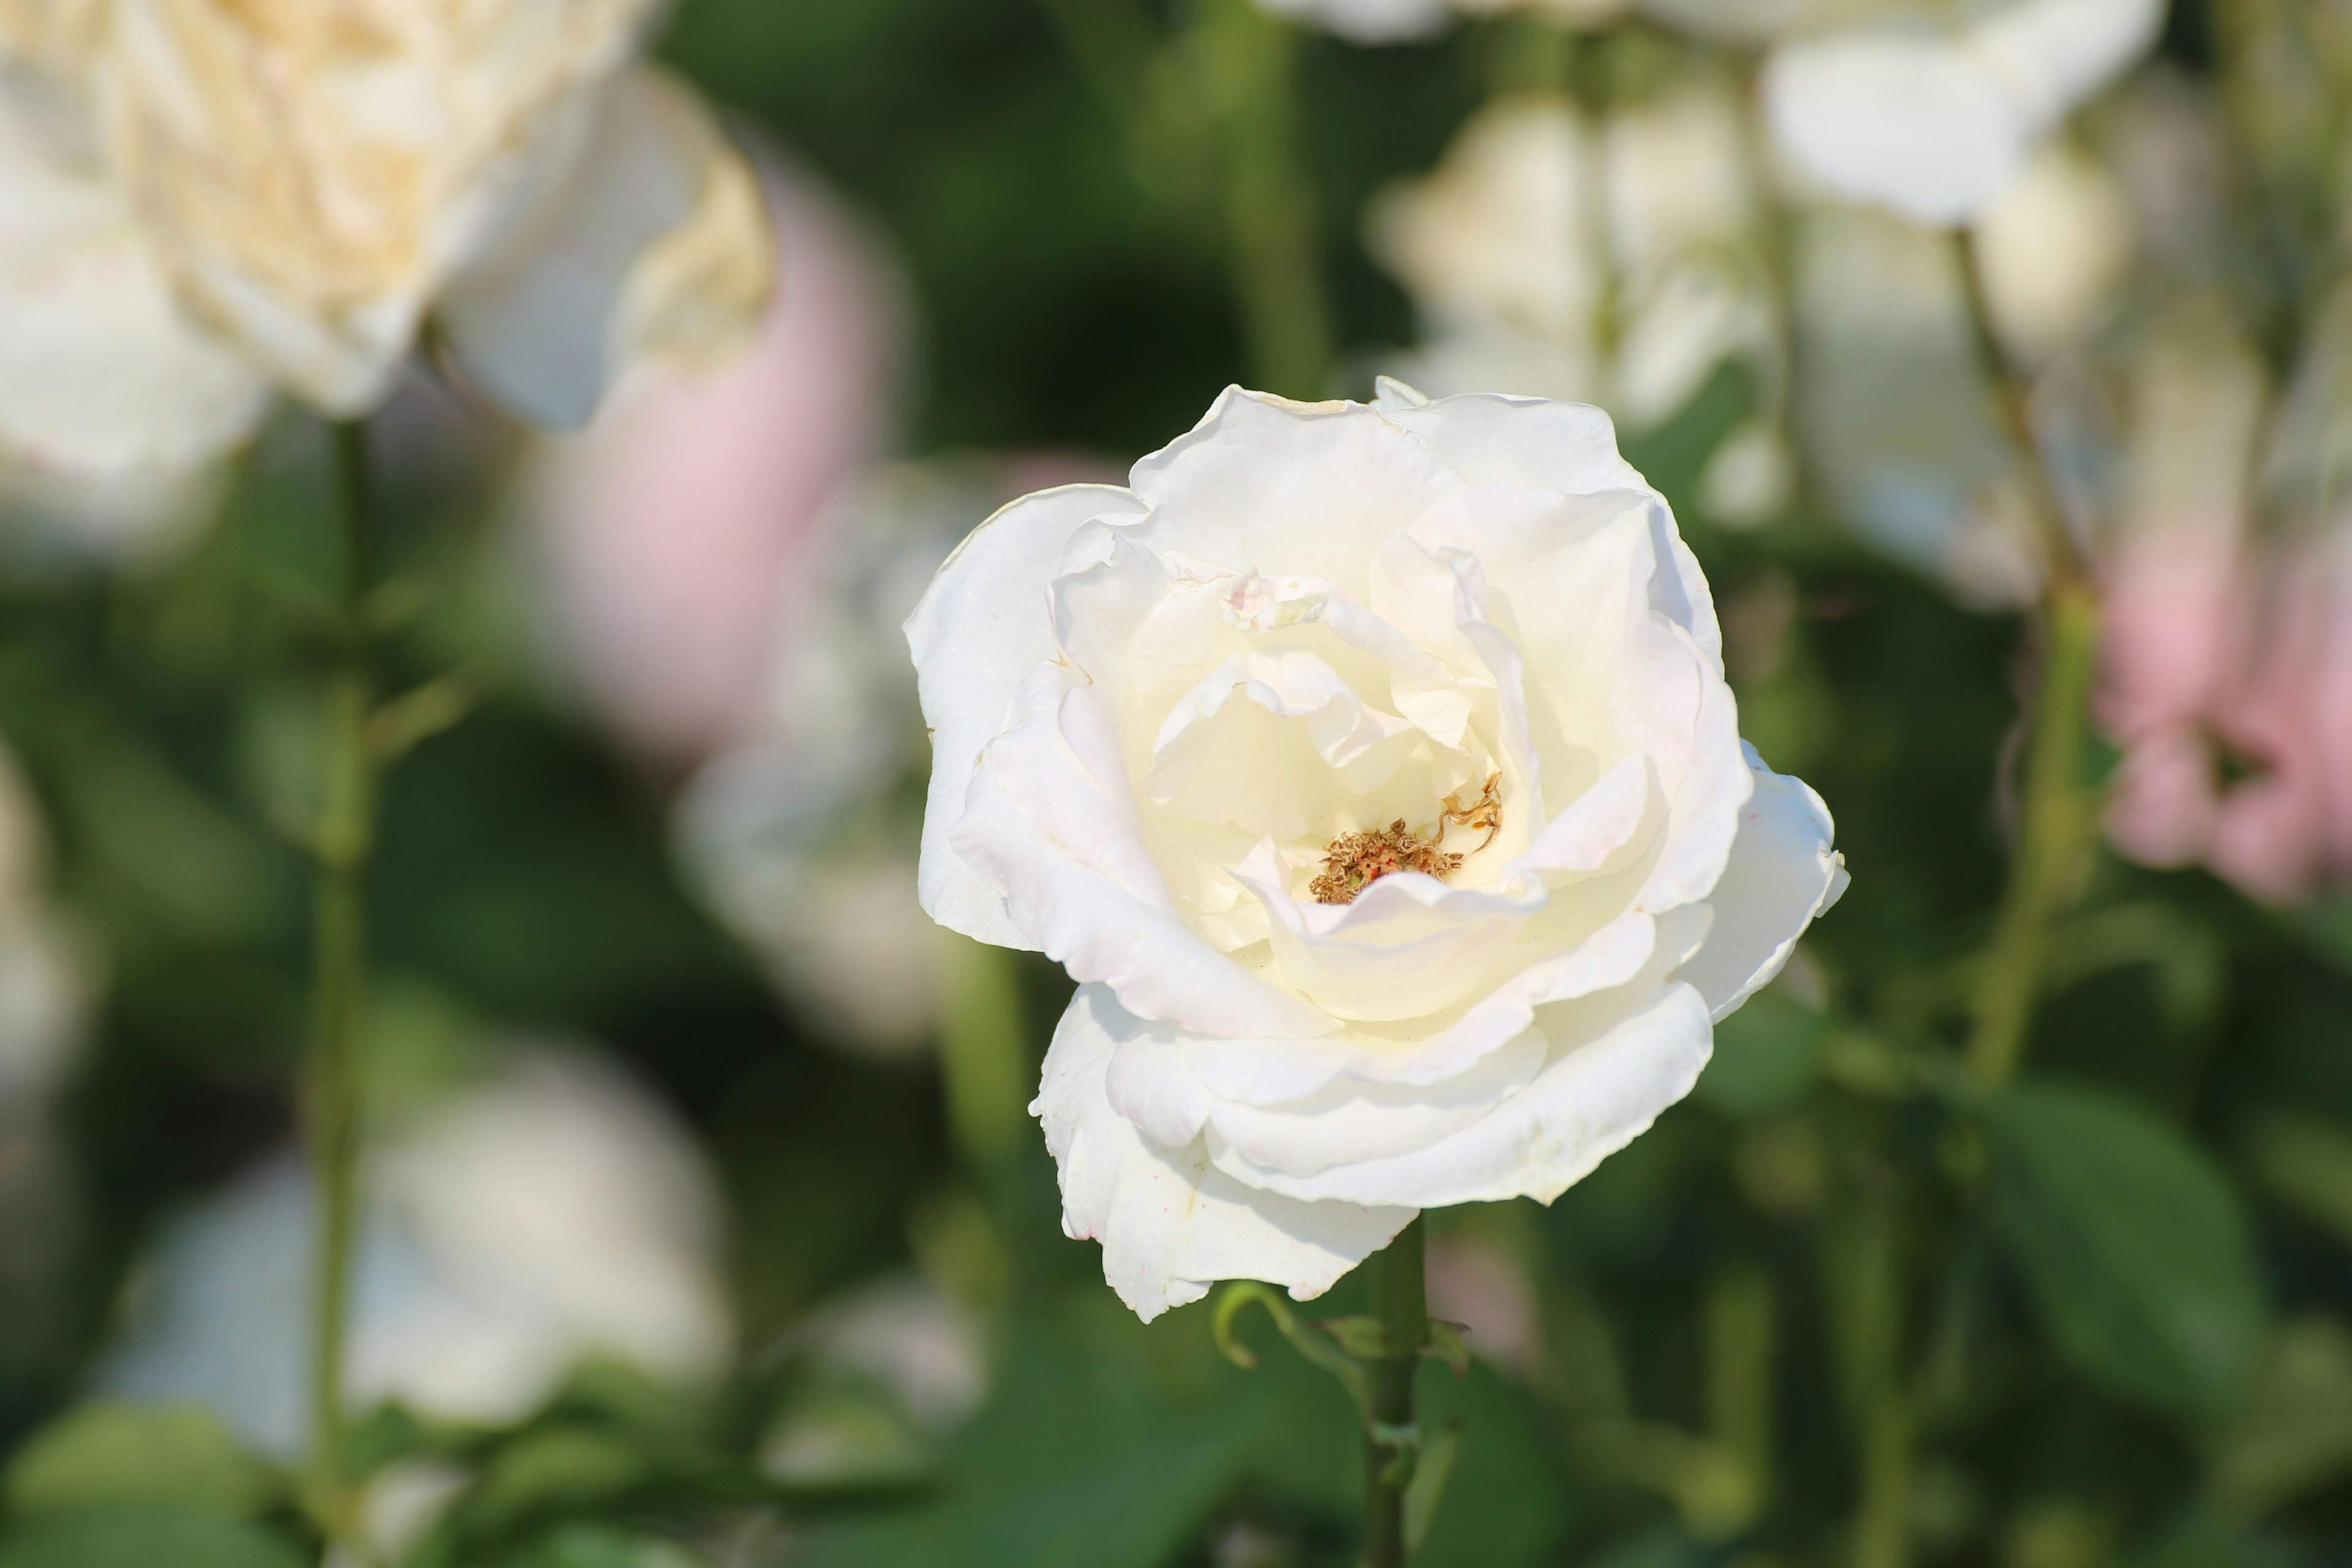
[(2055, 823), (342, 849), (1401, 1304), (2056, 820), (1882, 1529), (1250, 61)]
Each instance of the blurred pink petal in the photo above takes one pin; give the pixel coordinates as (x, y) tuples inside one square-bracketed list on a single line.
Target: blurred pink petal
[(2161, 810), (676, 529), (2172, 621), (2331, 717), (2270, 837), (1475, 1281)]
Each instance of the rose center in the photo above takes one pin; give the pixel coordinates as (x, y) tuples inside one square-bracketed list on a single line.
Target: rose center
[(1354, 861)]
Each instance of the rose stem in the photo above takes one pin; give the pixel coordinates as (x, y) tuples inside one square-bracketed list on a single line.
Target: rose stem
[(1248, 61), (2055, 820), (341, 850), (1401, 1304)]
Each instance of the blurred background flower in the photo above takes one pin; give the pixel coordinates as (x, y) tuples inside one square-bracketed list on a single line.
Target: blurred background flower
[(205, 202), (547, 1215)]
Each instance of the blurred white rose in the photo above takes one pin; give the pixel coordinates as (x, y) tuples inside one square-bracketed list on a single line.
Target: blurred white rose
[(2056, 247), (799, 837), (1616, 264), (1894, 411), (1374, 771), (671, 539), (202, 200), (1404, 21), (552, 1214), (1935, 122), (1744, 21)]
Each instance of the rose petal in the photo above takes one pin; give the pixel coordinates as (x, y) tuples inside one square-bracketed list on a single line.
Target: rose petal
[(100, 373), (1615, 1061), (654, 208), (1049, 823), (980, 627), (1781, 874), (1169, 1224), (1407, 946), (1283, 488), (1349, 1121), (1488, 438)]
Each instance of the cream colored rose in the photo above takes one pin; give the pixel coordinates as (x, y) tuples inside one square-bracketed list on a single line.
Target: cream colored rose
[(206, 199), (1374, 771)]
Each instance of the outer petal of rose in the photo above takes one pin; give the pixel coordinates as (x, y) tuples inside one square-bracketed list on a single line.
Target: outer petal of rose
[(1351, 1123), (1288, 489), (1049, 821), (1616, 1060), (646, 240), (1272, 1072), (1782, 873), (1569, 448), (100, 373), (1169, 1225), (981, 627)]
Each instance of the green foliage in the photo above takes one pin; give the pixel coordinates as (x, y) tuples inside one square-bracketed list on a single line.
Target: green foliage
[(598, 1546), (104, 1453), (1767, 1056), (146, 1535), (2133, 1245)]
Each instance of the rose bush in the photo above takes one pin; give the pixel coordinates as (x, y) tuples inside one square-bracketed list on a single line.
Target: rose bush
[(1374, 771)]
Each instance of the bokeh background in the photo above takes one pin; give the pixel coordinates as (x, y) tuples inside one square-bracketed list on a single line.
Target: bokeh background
[(705, 1223)]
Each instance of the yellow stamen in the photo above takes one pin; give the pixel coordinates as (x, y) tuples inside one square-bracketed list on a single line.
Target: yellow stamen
[(1354, 861)]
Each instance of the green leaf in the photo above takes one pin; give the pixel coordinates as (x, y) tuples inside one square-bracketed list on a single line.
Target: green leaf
[(2201, 1541), (1366, 1339), (2307, 1163), (2132, 1245), (547, 1473), (146, 1535), (1767, 1056), (1130, 1512), (2294, 1435), (108, 1452), (601, 1546), (1447, 1344), (1429, 1479)]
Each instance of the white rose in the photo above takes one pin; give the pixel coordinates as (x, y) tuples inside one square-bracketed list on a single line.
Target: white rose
[(1537, 218), (1934, 124), (202, 200), (1172, 722), (1404, 21)]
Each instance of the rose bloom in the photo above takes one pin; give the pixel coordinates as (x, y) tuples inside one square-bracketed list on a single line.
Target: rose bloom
[(1374, 771), (1404, 21), (1934, 124), (201, 201)]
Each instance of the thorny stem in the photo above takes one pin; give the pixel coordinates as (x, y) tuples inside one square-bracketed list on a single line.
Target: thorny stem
[(1248, 59), (2055, 820), (342, 849), (1400, 1303)]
